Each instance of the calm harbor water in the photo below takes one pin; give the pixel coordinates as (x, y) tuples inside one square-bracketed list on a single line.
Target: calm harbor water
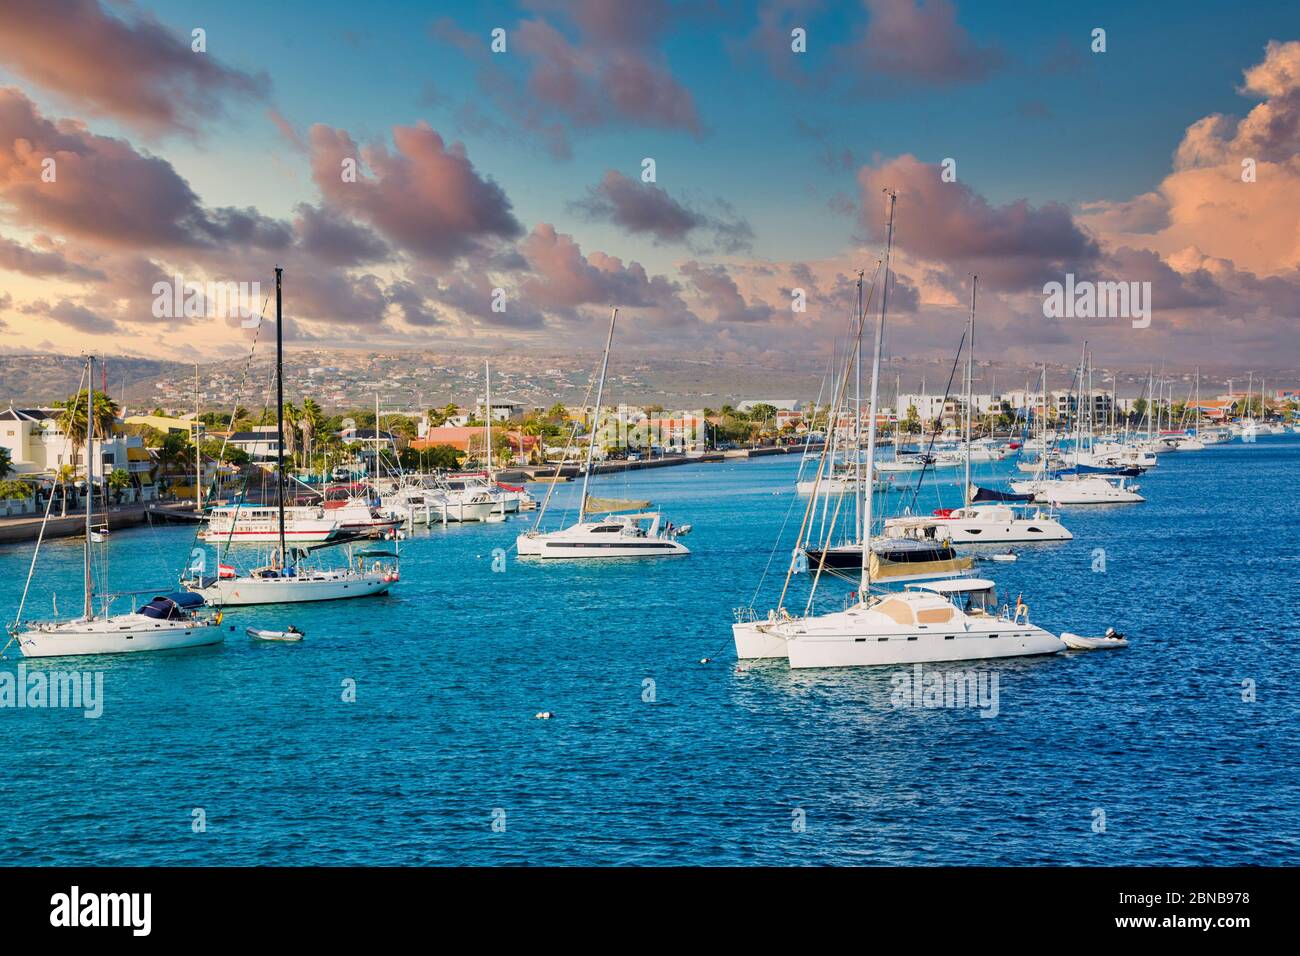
[(720, 766)]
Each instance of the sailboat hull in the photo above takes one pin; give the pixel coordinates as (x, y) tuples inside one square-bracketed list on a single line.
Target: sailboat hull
[(124, 634), (756, 640), (874, 649), (232, 592)]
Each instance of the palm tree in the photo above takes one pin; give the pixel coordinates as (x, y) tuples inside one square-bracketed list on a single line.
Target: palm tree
[(312, 419), (6, 464), (72, 416), (118, 482), (65, 476), (292, 416)]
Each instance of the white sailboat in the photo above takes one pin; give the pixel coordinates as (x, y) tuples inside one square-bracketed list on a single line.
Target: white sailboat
[(168, 622), (641, 535), (288, 576), (911, 626)]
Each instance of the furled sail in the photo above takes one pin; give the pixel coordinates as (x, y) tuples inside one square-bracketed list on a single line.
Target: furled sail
[(601, 505)]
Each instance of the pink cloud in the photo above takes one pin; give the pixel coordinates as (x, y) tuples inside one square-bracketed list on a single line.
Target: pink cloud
[(130, 66), (425, 197)]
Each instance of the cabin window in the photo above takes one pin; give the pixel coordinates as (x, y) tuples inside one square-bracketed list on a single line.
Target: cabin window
[(606, 529)]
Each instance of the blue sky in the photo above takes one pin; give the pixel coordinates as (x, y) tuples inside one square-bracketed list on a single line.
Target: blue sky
[(1044, 121)]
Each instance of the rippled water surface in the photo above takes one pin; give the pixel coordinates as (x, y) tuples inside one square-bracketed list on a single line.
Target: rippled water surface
[(720, 767)]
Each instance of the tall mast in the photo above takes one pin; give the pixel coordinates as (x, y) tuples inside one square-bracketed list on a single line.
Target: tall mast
[(279, 413), (875, 387), (90, 481), (863, 530), (595, 417), (970, 370), (487, 426), (198, 451)]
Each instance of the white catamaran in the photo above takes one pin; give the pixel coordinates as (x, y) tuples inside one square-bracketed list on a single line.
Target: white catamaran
[(921, 624), (640, 535), (168, 622)]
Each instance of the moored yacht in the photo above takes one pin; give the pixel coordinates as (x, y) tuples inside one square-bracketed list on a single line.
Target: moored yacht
[(923, 624), (640, 535), (614, 536), (168, 622)]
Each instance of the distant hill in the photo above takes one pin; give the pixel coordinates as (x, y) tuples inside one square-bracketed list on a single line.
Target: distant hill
[(345, 379)]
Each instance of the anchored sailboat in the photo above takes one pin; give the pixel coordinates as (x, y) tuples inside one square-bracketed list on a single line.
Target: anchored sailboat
[(972, 523), (289, 576), (167, 622)]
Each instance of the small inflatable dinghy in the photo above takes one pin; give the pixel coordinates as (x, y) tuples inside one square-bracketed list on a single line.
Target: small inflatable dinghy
[(290, 633), (1111, 639), (1002, 556)]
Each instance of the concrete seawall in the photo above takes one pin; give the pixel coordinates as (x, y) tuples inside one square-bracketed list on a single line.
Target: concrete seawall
[(15, 530)]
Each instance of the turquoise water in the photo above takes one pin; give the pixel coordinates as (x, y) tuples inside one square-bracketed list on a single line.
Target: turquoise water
[(717, 768)]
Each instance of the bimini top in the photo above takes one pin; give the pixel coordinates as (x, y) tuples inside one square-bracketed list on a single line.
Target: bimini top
[(168, 606), (954, 586)]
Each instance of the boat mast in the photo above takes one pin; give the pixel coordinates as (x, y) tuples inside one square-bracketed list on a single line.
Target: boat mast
[(863, 531), (90, 480), (970, 369), (595, 417), (875, 388), (279, 414), (487, 419), (198, 450)]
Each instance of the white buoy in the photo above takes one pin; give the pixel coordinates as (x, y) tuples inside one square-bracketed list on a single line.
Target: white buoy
[(545, 715)]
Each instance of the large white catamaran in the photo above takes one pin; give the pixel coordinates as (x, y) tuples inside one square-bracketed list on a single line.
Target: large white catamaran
[(923, 623)]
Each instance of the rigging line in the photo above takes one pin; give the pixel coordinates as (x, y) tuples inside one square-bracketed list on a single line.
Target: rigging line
[(239, 393), (40, 535), (821, 464), (925, 462)]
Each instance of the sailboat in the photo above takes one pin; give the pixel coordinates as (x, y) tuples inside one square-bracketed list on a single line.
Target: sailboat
[(919, 624), (1003, 522), (167, 622), (643, 534), (893, 557), (288, 576)]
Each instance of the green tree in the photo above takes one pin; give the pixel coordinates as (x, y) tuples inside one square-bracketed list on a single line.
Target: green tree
[(118, 481), (6, 464), (72, 416), (65, 476), (13, 490)]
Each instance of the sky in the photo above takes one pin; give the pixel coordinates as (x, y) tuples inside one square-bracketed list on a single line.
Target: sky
[(423, 190)]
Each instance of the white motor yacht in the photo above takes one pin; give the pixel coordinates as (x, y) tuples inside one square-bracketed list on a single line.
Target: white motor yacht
[(1087, 490), (983, 524)]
